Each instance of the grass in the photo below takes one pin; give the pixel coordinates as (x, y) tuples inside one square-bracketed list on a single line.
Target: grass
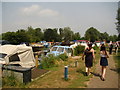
[(11, 82), (55, 79), (117, 60), (81, 79)]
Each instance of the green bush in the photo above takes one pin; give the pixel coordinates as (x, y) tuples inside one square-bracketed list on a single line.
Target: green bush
[(78, 50), (48, 61), (11, 81), (63, 57)]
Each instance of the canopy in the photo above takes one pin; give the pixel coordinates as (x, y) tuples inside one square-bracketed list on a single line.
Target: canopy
[(21, 52)]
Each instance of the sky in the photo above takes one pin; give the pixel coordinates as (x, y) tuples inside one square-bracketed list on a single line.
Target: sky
[(79, 16)]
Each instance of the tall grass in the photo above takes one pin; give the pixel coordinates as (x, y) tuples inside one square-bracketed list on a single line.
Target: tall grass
[(117, 60)]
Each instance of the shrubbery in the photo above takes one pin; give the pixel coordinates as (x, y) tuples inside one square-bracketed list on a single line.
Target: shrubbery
[(63, 57), (50, 60), (78, 50), (11, 81)]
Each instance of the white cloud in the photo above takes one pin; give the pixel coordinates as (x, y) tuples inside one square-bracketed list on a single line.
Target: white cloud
[(31, 9), (48, 12), (39, 11)]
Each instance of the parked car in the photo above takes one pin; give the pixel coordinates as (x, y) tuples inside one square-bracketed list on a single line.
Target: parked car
[(57, 50)]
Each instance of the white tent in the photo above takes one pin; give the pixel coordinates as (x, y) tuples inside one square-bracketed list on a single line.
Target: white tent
[(21, 52)]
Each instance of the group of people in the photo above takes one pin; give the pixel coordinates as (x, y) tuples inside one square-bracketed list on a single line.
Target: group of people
[(111, 45), (89, 57)]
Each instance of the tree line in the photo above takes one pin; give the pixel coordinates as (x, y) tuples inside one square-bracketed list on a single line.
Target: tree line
[(56, 34), (118, 20)]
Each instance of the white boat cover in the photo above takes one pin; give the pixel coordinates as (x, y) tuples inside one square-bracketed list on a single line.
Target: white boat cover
[(25, 54)]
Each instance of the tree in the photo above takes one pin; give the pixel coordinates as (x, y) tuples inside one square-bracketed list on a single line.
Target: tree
[(10, 36), (92, 34), (113, 38), (16, 37), (67, 34), (61, 33), (35, 35), (77, 36), (51, 35), (22, 36), (38, 34), (118, 20)]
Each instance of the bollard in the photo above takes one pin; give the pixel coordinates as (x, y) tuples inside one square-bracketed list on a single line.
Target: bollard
[(36, 59), (66, 73), (76, 63)]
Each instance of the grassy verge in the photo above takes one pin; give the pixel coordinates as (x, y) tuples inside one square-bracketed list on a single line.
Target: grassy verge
[(81, 79), (11, 82), (117, 60), (55, 79)]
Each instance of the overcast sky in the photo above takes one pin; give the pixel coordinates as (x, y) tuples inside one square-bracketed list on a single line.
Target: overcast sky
[(79, 16)]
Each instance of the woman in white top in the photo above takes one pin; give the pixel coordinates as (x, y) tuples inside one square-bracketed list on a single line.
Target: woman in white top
[(103, 61)]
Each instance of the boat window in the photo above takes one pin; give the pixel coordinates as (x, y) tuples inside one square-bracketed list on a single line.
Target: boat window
[(60, 49), (54, 49), (14, 57), (68, 50), (2, 55)]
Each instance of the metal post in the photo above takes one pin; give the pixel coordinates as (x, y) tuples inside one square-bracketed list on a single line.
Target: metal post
[(76, 63), (66, 73), (36, 58)]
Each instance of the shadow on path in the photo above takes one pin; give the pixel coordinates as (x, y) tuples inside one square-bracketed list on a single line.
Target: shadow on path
[(96, 74), (81, 71), (84, 73), (115, 70)]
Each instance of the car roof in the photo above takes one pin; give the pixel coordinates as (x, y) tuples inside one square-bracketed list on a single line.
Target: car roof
[(62, 46)]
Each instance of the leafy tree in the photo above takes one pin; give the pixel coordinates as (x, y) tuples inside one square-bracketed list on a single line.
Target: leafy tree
[(51, 35), (113, 38), (16, 37), (31, 33), (118, 20), (0, 36), (10, 36), (61, 33), (22, 36), (35, 35), (82, 38), (92, 34), (76, 36), (38, 34), (67, 34)]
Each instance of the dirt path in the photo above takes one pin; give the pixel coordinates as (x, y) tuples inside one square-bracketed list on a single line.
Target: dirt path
[(111, 76)]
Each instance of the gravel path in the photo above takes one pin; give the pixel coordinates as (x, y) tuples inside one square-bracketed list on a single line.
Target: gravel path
[(111, 76)]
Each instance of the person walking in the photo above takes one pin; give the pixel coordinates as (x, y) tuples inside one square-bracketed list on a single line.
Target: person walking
[(116, 47), (89, 56), (110, 47), (103, 61)]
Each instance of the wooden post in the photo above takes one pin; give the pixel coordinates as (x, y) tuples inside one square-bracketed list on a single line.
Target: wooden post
[(1, 73), (36, 59), (76, 63)]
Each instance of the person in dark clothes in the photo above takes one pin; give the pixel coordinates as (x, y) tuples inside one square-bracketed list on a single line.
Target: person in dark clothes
[(89, 55), (103, 61), (110, 48), (116, 47)]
